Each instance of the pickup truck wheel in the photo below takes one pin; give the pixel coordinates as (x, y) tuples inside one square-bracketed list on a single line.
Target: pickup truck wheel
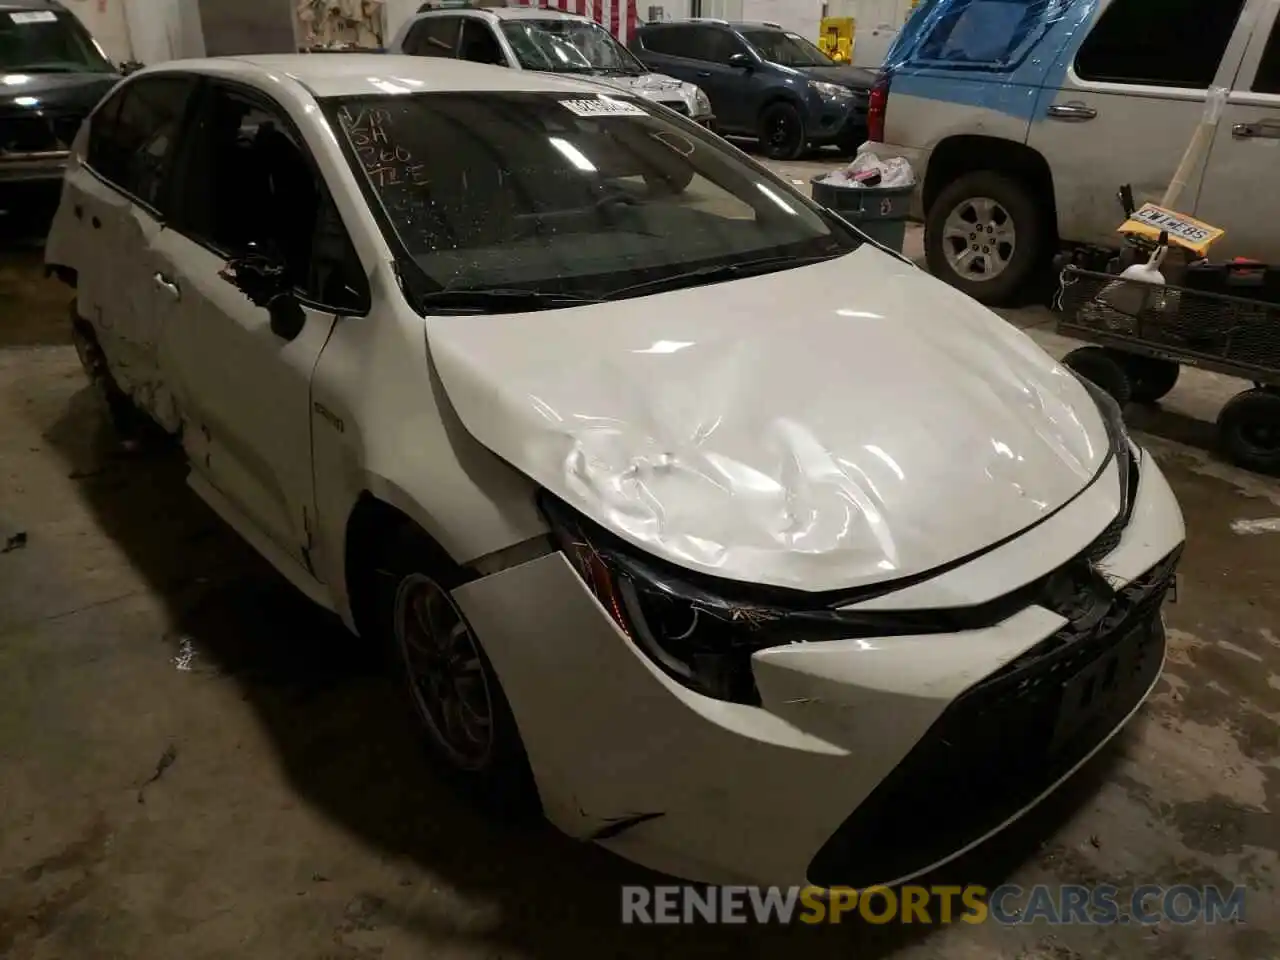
[(984, 235), (782, 133), (452, 687)]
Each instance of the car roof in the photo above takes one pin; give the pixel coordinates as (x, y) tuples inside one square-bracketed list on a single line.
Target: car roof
[(710, 22), (505, 13), (31, 5), (356, 74)]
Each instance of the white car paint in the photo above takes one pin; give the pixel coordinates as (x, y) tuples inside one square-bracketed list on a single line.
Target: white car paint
[(814, 423), (652, 86), (684, 455), (1138, 137)]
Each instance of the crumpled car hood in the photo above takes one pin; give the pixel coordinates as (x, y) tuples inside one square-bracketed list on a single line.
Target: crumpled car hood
[(652, 86), (828, 427)]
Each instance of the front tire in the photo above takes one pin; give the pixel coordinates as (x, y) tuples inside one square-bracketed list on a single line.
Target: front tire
[(782, 132), (984, 235), (453, 689)]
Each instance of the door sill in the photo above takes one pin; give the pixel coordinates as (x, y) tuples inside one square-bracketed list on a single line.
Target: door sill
[(289, 568)]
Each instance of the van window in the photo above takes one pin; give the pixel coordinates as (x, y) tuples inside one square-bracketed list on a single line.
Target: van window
[(1176, 43), (1268, 78)]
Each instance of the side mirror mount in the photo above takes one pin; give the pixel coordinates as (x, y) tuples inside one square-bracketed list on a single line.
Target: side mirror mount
[(741, 61), (262, 276), (130, 66), (287, 316)]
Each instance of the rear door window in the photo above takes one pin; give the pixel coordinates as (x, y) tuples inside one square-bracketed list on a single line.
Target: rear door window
[(132, 136), (479, 44), (433, 37), (677, 42), (1176, 43)]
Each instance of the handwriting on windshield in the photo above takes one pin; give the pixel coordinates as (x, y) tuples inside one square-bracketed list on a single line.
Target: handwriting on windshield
[(386, 161)]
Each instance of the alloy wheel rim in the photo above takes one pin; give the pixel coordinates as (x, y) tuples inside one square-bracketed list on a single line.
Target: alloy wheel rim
[(782, 132), (444, 671), (979, 239)]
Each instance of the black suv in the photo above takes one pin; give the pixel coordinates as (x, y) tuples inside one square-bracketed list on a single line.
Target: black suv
[(763, 81), (54, 74)]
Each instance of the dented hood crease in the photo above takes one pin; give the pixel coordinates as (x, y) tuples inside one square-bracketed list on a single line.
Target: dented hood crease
[(833, 426)]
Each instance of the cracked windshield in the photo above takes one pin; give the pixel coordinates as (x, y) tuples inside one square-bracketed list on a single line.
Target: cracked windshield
[(569, 46)]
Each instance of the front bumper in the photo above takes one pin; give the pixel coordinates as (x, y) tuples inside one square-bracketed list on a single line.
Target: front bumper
[(841, 776), (835, 121)]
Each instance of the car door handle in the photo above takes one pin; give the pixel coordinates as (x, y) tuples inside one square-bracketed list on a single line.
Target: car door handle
[(168, 286), (704, 73), (1258, 130), (1075, 111)]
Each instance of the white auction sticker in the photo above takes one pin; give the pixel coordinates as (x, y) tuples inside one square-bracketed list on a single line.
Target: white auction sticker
[(34, 16), (602, 107)]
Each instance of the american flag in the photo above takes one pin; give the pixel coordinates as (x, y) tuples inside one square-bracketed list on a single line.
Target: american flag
[(619, 17)]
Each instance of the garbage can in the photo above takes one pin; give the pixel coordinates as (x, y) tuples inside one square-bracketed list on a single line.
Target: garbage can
[(879, 212)]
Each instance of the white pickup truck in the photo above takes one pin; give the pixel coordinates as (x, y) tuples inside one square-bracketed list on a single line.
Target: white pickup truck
[(1023, 117)]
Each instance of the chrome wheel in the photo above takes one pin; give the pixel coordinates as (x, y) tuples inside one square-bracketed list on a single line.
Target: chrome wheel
[(445, 673), (979, 239)]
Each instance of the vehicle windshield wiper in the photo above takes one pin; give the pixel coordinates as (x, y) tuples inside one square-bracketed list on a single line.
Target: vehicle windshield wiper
[(497, 300), (718, 271)]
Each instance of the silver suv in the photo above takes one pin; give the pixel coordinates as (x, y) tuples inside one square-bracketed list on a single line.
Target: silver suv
[(531, 38)]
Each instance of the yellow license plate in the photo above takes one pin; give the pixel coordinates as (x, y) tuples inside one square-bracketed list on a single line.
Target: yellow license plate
[(1183, 231)]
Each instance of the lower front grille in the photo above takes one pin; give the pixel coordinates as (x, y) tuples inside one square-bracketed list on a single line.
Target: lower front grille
[(1003, 743)]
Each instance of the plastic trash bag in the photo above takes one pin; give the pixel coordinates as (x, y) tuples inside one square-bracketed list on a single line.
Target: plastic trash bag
[(862, 172)]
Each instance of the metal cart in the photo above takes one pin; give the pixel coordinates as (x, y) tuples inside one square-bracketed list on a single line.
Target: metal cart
[(1143, 334)]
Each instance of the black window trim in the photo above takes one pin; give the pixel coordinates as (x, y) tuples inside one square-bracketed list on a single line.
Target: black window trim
[(205, 90), (161, 213)]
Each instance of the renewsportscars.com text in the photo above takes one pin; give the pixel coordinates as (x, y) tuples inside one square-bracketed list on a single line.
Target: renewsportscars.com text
[(1098, 905)]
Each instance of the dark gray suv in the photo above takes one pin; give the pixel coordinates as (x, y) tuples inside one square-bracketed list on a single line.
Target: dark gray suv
[(763, 81)]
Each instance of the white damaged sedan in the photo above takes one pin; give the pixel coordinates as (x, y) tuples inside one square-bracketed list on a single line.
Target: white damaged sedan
[(722, 536)]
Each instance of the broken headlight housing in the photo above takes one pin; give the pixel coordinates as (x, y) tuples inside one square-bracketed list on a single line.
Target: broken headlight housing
[(702, 631)]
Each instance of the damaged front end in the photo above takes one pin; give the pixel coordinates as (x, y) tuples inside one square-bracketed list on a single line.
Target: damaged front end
[(703, 631)]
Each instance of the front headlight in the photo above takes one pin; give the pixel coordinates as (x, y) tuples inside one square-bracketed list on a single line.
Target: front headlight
[(701, 103), (1125, 451), (702, 631), (1112, 415), (831, 91)]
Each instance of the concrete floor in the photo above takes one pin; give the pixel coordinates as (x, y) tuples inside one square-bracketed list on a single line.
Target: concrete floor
[(195, 764)]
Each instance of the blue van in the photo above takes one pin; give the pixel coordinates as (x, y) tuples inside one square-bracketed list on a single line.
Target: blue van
[(1023, 117)]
